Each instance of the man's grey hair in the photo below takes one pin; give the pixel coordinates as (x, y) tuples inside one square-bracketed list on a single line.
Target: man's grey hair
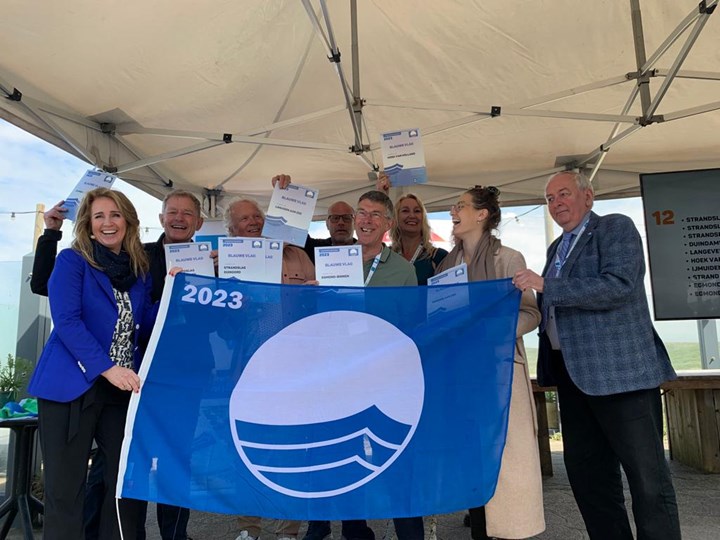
[(227, 214), (581, 179), (379, 197), (182, 193)]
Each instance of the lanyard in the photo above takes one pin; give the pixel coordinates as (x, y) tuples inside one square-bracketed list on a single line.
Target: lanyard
[(558, 263), (417, 252), (373, 267)]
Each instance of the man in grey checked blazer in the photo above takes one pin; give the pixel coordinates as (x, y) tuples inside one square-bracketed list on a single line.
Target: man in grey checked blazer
[(599, 347)]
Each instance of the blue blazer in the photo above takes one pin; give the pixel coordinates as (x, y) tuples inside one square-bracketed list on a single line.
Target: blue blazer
[(606, 334), (84, 313)]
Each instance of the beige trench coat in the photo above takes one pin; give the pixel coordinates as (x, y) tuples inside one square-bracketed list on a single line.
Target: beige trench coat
[(516, 508)]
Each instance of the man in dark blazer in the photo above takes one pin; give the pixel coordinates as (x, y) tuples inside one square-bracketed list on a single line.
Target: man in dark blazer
[(599, 347), (180, 218)]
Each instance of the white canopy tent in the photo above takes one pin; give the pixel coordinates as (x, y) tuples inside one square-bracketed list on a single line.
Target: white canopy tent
[(216, 97)]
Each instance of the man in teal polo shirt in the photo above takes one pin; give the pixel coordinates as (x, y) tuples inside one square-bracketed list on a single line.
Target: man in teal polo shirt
[(382, 266)]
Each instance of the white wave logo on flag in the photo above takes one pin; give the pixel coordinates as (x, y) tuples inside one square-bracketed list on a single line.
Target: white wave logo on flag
[(322, 421)]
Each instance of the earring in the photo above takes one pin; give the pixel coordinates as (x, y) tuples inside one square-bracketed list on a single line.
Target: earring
[(92, 237)]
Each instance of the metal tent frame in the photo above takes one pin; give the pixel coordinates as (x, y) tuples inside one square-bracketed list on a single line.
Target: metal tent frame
[(111, 143)]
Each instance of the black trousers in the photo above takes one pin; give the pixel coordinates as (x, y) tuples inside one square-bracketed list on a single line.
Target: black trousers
[(172, 521), (602, 433), (478, 523), (66, 434)]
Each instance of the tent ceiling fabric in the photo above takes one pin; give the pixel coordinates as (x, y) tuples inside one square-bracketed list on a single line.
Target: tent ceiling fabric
[(151, 88)]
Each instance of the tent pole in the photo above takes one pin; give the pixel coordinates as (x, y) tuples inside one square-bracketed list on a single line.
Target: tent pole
[(643, 81), (690, 74), (43, 111), (644, 65), (682, 55), (358, 101), (167, 155), (17, 97), (134, 129), (355, 50), (684, 113), (334, 57), (603, 155), (705, 7), (350, 100)]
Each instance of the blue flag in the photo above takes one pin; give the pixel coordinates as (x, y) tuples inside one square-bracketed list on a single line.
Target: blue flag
[(301, 402)]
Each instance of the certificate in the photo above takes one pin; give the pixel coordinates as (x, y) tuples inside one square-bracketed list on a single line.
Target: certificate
[(456, 274), (245, 259), (273, 261), (91, 180), (403, 157), (192, 257), (290, 213), (339, 266), (442, 298), (211, 231)]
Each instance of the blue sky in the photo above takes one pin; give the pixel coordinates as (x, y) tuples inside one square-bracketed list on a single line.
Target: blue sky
[(33, 171)]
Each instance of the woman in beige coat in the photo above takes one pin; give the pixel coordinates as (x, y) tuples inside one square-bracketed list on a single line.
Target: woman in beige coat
[(516, 509)]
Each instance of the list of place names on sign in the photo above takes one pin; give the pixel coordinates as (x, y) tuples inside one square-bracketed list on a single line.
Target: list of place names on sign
[(682, 218)]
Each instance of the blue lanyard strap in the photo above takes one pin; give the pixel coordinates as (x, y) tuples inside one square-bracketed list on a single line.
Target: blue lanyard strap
[(560, 263), (374, 266)]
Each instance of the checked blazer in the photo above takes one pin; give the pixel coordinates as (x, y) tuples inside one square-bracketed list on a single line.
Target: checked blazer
[(606, 334)]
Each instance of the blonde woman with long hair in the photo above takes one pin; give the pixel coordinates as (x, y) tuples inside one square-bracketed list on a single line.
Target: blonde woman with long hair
[(99, 295), (411, 234)]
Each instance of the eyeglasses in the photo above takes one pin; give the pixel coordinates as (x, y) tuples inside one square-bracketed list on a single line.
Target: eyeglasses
[(363, 214), (337, 218), (455, 208)]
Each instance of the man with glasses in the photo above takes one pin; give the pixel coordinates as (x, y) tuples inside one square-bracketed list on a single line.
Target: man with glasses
[(382, 268), (599, 347), (340, 224)]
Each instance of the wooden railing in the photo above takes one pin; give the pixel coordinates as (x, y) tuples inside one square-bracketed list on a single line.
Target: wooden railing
[(692, 411)]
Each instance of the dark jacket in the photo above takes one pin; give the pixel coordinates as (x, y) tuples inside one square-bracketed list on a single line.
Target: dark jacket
[(46, 250), (45, 253), (606, 334), (311, 243)]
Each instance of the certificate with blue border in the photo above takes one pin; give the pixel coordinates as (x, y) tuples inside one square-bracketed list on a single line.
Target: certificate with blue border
[(91, 179), (403, 157), (339, 266), (290, 213)]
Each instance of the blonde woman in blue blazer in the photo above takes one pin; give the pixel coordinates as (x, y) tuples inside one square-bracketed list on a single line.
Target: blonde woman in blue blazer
[(99, 295)]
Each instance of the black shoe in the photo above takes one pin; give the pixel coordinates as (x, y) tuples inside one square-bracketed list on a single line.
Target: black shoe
[(317, 530), (466, 519)]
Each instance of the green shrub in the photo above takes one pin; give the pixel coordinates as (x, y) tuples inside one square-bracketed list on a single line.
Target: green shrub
[(14, 374)]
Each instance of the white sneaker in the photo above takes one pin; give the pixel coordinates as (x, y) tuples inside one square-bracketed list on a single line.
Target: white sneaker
[(244, 535)]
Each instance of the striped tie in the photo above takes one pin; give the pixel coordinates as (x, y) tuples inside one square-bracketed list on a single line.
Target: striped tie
[(561, 254)]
